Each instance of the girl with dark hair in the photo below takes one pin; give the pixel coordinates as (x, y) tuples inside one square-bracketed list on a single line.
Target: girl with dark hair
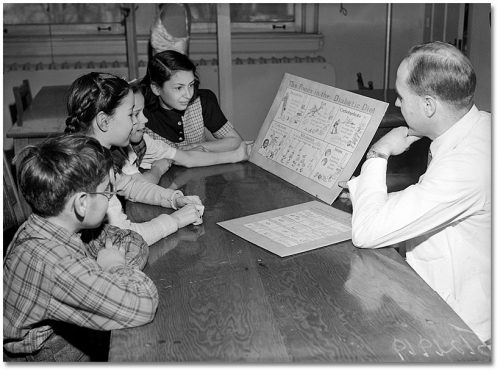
[(180, 113), (101, 105), (148, 152)]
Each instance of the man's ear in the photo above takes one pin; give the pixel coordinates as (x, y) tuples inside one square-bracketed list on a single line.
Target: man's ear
[(155, 89), (80, 204), (102, 121), (430, 105)]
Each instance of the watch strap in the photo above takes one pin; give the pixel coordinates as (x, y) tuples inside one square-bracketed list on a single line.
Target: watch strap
[(374, 154)]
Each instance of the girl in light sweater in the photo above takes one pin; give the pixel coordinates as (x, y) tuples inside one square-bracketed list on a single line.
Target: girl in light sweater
[(101, 105)]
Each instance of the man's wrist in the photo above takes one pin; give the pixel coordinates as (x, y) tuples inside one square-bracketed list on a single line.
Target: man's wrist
[(374, 153)]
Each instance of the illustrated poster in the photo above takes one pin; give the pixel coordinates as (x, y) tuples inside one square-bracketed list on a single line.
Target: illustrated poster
[(294, 229), (315, 135)]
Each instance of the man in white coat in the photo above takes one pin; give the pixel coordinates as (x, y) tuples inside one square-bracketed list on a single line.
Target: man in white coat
[(445, 218)]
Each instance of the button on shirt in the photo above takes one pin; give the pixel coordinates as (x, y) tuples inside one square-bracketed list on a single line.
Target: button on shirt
[(445, 218), (176, 126)]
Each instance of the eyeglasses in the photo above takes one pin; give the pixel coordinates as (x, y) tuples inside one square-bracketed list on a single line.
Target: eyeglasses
[(108, 193)]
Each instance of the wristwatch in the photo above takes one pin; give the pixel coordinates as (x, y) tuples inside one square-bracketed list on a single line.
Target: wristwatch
[(374, 154)]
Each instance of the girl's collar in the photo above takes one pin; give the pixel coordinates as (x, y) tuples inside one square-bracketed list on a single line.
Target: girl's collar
[(164, 104)]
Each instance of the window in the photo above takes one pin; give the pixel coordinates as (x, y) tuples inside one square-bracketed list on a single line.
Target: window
[(247, 17), (90, 33), (107, 18), (57, 18)]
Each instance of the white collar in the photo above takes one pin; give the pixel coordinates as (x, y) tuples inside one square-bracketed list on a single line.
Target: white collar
[(451, 137)]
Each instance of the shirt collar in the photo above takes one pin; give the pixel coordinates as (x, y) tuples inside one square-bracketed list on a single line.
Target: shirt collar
[(132, 156), (171, 110), (451, 137), (51, 231)]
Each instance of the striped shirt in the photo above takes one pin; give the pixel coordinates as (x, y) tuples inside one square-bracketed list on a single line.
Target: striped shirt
[(50, 275)]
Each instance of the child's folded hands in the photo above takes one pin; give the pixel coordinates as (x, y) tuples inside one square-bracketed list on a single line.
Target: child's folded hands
[(187, 200), (189, 214), (111, 256)]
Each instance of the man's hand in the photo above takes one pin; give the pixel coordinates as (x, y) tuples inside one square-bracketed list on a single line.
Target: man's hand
[(111, 256), (395, 142)]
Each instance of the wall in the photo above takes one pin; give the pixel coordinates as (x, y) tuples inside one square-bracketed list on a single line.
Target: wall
[(356, 42), (480, 53), (350, 43), (251, 102)]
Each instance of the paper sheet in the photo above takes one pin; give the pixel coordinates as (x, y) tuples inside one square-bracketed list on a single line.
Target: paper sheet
[(294, 229), (315, 135)]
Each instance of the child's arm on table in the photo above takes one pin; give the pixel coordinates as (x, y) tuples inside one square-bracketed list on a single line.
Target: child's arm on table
[(117, 296), (136, 188), (157, 149), (226, 139), (159, 227), (158, 168), (136, 252)]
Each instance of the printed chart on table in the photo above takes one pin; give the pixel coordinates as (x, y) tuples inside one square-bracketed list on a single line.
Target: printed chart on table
[(313, 137), (293, 229)]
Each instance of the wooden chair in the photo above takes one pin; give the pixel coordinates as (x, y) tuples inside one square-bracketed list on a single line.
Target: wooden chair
[(14, 212), (23, 99), (361, 84)]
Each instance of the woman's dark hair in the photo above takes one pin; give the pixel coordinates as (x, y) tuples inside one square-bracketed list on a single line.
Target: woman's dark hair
[(90, 94)]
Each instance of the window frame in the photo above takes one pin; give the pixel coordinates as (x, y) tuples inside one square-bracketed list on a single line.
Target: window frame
[(296, 26), (54, 44)]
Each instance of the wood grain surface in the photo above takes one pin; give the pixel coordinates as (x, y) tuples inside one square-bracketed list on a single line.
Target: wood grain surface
[(223, 299)]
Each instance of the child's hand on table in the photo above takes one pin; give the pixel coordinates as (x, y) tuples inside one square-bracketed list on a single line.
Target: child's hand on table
[(189, 214), (187, 200)]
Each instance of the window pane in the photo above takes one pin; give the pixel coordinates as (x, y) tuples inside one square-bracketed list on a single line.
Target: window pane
[(203, 12), (244, 13), (262, 12), (56, 13)]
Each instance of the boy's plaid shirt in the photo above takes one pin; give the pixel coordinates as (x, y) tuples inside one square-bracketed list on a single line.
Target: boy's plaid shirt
[(50, 274)]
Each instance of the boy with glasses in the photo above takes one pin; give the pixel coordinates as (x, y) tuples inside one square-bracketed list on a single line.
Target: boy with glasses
[(68, 279)]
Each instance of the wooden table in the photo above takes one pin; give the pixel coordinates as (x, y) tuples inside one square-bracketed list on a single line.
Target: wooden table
[(44, 118), (223, 299)]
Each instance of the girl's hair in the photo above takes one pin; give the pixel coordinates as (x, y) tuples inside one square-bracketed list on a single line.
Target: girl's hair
[(440, 69), (90, 94), (164, 65), (137, 85), (51, 172)]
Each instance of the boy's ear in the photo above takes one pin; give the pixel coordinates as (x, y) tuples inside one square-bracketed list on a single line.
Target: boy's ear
[(80, 203), (155, 89), (102, 121)]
